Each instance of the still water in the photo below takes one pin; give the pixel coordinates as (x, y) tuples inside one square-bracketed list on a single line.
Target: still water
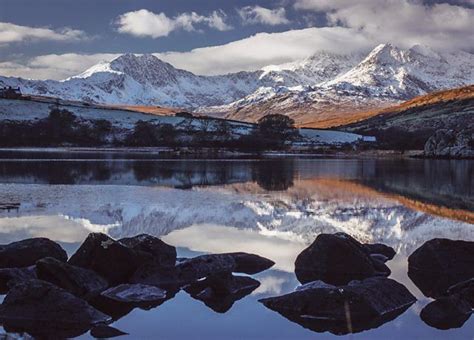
[(274, 208)]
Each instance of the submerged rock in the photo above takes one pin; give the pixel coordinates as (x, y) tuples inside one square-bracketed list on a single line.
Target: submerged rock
[(352, 308), (46, 311), (111, 259), (220, 291), (446, 312), (25, 253), (162, 253), (76, 280), (337, 259), (105, 332), (11, 276), (439, 264)]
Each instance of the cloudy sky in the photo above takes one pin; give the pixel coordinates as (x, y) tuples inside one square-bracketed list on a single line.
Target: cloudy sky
[(54, 39)]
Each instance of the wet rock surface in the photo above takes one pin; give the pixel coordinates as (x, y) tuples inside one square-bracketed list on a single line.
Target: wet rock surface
[(135, 294), (111, 259), (439, 264), (337, 259), (379, 249), (351, 308), (45, 310), (446, 312), (25, 253), (76, 280), (220, 291)]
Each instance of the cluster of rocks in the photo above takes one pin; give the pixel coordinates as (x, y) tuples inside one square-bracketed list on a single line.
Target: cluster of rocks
[(49, 295), (444, 270), (345, 287), (451, 144)]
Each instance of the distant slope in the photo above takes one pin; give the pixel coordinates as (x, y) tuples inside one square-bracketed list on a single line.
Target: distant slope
[(420, 117)]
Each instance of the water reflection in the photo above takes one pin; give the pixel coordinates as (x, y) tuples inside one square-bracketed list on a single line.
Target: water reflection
[(273, 208)]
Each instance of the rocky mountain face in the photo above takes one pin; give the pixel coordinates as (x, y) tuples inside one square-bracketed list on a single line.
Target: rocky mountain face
[(300, 89)]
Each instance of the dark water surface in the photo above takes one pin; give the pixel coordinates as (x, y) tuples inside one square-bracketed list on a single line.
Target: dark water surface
[(273, 207)]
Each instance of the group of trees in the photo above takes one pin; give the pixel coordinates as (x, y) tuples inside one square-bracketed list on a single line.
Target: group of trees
[(62, 127)]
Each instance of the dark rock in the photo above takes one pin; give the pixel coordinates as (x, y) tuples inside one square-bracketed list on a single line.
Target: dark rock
[(79, 281), (446, 312), (220, 291), (104, 331), (380, 249), (111, 259), (156, 275), (337, 259), (11, 276), (358, 306), (46, 311), (135, 294), (25, 253), (121, 300), (439, 264), (465, 291), (162, 253), (205, 265)]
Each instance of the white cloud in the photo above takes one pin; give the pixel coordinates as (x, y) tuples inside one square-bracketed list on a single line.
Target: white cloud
[(263, 49), (52, 66), (143, 23), (402, 22), (262, 15), (10, 33)]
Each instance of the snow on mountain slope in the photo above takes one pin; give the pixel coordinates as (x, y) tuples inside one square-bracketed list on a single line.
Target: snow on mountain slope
[(387, 74), (403, 74)]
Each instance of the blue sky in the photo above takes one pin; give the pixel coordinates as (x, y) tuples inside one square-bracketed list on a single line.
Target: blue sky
[(59, 38)]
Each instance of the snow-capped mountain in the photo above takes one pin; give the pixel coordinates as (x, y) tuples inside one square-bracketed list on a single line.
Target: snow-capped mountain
[(387, 74)]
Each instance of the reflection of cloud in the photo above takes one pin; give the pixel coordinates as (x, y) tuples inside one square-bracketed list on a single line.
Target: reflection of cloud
[(220, 239), (56, 227), (270, 285)]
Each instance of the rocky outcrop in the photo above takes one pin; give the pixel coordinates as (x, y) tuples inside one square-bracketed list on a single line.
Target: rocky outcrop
[(323, 307), (439, 264), (111, 259), (81, 282), (338, 259), (25, 253), (106, 332), (45, 311), (220, 291), (451, 144)]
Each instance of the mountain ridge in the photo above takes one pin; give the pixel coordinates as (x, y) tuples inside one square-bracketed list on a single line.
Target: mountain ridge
[(302, 89)]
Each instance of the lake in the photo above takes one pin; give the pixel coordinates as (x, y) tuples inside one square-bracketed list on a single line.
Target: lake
[(271, 207)]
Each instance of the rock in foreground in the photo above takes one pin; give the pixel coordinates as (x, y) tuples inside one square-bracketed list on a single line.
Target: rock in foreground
[(322, 307), (337, 259), (46, 311), (163, 254), (79, 281), (446, 313), (25, 253), (439, 264), (112, 260), (12, 276)]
